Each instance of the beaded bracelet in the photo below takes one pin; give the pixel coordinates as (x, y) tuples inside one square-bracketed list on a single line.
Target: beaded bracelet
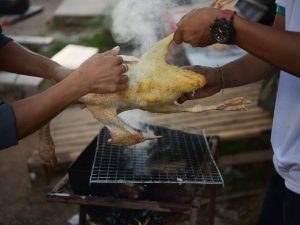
[(221, 77)]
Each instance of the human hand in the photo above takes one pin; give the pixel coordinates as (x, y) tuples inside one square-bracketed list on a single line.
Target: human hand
[(194, 29), (213, 83), (103, 73)]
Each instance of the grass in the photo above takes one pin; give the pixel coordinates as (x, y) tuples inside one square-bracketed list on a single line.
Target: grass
[(102, 40)]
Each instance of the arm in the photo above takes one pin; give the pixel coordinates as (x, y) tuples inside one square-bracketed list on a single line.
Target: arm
[(242, 71), (249, 67), (245, 70), (32, 113), (266, 43), (99, 74), (272, 44), (17, 59)]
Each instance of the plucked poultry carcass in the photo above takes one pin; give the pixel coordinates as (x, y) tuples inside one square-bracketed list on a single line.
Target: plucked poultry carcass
[(153, 86)]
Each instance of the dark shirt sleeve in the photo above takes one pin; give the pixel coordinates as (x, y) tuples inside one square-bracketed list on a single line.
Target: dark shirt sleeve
[(3, 38), (8, 130)]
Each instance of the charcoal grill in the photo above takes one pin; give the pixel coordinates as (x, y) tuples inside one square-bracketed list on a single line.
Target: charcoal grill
[(177, 158)]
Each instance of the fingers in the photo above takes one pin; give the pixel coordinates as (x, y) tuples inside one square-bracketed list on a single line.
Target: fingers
[(178, 36), (107, 70), (124, 68), (115, 88), (182, 99), (187, 67), (123, 79), (122, 87), (119, 69), (82, 106), (119, 60), (185, 97), (115, 51)]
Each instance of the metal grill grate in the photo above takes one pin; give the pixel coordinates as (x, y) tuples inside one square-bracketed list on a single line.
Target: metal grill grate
[(177, 157)]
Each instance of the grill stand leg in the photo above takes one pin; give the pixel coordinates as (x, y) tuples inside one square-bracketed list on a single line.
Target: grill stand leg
[(195, 211), (82, 216), (215, 148), (212, 205)]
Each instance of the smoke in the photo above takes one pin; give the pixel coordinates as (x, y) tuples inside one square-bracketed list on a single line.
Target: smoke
[(138, 157), (141, 23), (138, 154)]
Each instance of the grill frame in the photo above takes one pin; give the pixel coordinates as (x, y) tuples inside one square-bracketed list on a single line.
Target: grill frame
[(108, 159)]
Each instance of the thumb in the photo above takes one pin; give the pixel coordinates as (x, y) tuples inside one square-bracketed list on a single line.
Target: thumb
[(186, 67), (114, 51), (178, 37)]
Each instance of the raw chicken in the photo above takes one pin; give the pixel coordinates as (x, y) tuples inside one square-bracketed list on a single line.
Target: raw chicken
[(154, 86)]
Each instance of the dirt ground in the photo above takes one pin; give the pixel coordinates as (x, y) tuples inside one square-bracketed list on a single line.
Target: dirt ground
[(20, 202)]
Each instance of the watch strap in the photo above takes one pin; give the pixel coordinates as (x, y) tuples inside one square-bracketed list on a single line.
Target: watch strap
[(226, 14)]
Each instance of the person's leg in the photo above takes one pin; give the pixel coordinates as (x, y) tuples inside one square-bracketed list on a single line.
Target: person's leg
[(272, 208), (291, 208)]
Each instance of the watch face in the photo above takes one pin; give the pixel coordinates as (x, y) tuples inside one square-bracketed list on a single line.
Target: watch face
[(222, 34), (222, 31)]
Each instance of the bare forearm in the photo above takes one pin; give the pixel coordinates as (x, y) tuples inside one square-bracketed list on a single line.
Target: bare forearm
[(17, 59), (272, 44), (32, 113), (246, 69)]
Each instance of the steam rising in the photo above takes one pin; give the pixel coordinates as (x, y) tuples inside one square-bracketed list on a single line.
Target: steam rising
[(140, 23)]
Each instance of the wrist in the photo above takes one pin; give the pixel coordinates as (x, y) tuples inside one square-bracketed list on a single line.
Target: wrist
[(241, 29), (79, 82), (222, 79), (222, 30), (228, 75)]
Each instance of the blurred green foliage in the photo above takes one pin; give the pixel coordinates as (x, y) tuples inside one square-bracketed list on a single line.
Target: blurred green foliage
[(102, 40)]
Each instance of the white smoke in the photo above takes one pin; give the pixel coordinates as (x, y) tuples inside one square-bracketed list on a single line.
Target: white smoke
[(141, 23)]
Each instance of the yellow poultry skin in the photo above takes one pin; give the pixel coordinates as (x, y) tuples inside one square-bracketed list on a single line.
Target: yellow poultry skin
[(153, 86)]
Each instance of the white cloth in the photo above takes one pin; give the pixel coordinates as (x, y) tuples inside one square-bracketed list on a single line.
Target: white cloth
[(286, 125)]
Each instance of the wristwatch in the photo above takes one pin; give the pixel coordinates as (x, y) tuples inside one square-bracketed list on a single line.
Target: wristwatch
[(222, 30)]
